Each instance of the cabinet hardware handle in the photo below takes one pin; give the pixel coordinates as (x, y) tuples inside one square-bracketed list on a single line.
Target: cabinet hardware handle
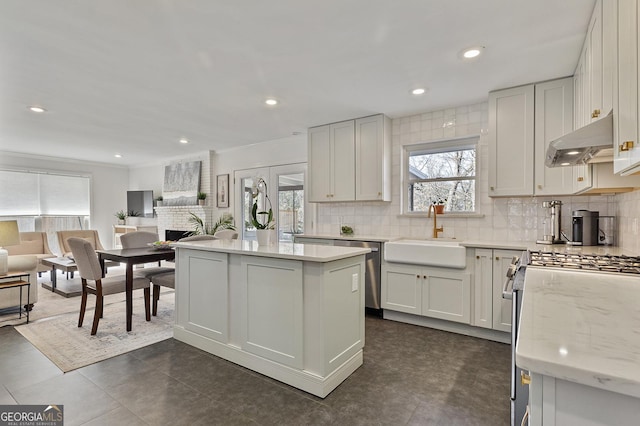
[(417, 276), (580, 179), (595, 113), (626, 146), (379, 194), (497, 257), (525, 379), (424, 276), (539, 186), (477, 257), (491, 188)]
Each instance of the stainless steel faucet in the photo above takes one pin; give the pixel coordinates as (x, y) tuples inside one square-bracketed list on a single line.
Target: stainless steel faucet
[(435, 225)]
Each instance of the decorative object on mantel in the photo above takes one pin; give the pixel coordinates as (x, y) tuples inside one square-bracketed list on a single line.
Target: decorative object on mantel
[(222, 191), (201, 228), (181, 183), (265, 224), (202, 198), (159, 201), (122, 217)]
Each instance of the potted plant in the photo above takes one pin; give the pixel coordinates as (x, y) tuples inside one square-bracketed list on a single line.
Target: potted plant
[(159, 201), (122, 216), (201, 228), (202, 196), (261, 220), (439, 205)]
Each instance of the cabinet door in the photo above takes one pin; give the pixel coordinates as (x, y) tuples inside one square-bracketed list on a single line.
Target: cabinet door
[(553, 119), (483, 289), (401, 288), (501, 307), (594, 65), (343, 185), (446, 295), (373, 159), (609, 54), (511, 115), (627, 78), (319, 160)]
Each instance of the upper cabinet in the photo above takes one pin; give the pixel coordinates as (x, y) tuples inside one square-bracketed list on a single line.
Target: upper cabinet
[(350, 160), (522, 122), (511, 141), (626, 147)]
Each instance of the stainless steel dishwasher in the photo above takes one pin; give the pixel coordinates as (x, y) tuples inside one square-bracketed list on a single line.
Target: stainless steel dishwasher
[(372, 276)]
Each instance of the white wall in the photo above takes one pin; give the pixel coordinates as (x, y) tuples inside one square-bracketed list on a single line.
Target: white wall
[(109, 186)]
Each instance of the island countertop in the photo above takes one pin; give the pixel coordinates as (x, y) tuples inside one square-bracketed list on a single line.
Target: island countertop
[(280, 250), (582, 327)]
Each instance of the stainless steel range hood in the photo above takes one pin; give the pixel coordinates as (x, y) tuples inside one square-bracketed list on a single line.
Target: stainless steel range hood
[(583, 145)]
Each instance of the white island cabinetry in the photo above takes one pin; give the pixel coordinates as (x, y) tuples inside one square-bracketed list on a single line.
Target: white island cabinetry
[(293, 312)]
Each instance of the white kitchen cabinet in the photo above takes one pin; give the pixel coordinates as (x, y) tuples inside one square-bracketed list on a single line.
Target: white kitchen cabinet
[(350, 160), (593, 55), (402, 288), (331, 160), (626, 149), (511, 141), (490, 309), (522, 122), (432, 292), (556, 402), (373, 158), (554, 118)]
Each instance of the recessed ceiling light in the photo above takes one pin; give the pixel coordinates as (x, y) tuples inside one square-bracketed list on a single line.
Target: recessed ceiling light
[(418, 91), (118, 155), (271, 102), (35, 108), (472, 52), (184, 140), (573, 152)]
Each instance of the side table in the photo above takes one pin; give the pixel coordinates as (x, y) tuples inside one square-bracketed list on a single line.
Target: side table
[(17, 280)]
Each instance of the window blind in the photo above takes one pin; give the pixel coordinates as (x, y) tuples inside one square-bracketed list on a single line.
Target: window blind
[(43, 194)]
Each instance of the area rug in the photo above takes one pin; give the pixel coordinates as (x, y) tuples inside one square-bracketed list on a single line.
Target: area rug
[(70, 347)]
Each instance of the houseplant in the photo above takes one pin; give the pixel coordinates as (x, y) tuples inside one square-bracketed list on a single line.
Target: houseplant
[(261, 220), (201, 228), (439, 205), (159, 201), (122, 216), (202, 196)]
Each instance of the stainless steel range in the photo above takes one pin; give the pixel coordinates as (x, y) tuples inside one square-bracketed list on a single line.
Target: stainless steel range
[(578, 262)]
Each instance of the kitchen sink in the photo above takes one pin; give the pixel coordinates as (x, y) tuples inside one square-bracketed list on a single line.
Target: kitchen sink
[(433, 252)]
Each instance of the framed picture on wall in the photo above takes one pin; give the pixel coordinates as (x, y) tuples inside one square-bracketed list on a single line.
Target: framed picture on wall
[(222, 191)]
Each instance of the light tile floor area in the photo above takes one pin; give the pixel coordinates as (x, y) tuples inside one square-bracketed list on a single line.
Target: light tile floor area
[(411, 376)]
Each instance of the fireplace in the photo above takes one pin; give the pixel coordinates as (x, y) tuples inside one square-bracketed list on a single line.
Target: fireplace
[(175, 235)]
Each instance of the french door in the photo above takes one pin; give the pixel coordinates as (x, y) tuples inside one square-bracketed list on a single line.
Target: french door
[(286, 191)]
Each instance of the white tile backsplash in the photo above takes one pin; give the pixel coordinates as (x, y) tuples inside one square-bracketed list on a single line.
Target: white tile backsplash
[(504, 219)]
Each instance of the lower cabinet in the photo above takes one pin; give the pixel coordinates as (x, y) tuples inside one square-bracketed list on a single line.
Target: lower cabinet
[(432, 292), (490, 309)]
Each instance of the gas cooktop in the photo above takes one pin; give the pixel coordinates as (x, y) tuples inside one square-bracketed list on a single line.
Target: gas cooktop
[(587, 262)]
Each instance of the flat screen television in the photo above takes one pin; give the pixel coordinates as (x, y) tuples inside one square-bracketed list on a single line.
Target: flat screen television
[(140, 202)]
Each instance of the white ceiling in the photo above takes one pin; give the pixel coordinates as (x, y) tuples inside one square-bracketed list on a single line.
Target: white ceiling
[(132, 77)]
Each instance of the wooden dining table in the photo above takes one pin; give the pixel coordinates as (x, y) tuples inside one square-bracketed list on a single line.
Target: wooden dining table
[(131, 257)]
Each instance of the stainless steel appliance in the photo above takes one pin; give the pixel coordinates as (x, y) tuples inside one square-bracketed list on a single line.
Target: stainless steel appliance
[(552, 228), (516, 274), (585, 228), (372, 274)]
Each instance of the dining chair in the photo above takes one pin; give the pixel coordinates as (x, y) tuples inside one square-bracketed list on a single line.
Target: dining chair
[(226, 234), (90, 270), (139, 239), (198, 238)]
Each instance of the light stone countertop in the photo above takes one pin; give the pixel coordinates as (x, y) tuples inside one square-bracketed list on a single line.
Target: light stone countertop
[(582, 327), (355, 237), (304, 252)]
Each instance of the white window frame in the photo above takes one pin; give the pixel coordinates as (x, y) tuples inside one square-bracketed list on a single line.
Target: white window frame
[(436, 146)]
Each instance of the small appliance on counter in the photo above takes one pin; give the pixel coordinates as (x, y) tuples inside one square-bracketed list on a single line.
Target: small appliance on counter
[(607, 230), (552, 234), (584, 225)]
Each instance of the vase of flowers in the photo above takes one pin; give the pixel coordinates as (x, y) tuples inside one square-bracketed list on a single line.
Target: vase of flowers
[(262, 220)]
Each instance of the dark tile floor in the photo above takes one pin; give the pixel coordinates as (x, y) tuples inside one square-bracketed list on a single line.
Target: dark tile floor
[(411, 376)]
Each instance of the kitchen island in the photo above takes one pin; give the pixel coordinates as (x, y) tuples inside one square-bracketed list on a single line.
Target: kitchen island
[(293, 312), (578, 337)]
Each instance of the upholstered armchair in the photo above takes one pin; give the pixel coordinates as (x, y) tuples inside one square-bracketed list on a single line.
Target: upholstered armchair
[(33, 243), (90, 235)]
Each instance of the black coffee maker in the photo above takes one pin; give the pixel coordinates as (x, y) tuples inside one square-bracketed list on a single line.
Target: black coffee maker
[(585, 228)]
